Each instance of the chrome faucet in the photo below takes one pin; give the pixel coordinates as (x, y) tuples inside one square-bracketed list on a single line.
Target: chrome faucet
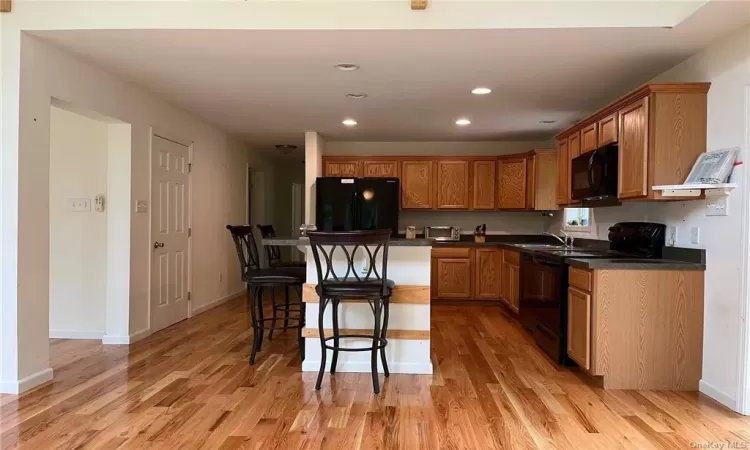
[(567, 241)]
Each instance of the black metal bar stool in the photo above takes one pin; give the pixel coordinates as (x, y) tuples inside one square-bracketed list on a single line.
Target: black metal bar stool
[(273, 255), (257, 279), (373, 286)]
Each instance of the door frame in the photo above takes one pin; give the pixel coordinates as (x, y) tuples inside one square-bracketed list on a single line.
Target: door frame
[(156, 132), (742, 402)]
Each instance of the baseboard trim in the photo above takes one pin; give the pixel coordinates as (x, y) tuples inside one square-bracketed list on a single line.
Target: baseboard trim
[(138, 335), (113, 339), (73, 334), (210, 305), (716, 394), (364, 367), (26, 383)]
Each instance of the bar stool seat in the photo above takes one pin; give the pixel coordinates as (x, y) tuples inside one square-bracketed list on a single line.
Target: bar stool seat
[(275, 276), (353, 288)]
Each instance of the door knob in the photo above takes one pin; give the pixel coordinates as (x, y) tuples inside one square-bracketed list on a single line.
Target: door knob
[(158, 244)]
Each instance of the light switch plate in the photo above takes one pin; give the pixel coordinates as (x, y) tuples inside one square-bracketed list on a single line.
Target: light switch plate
[(80, 204), (695, 235)]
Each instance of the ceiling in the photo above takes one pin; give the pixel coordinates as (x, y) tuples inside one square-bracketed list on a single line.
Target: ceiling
[(269, 87)]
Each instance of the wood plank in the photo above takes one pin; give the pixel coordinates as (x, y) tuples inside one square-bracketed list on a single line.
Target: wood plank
[(5, 5), (402, 294), (391, 334)]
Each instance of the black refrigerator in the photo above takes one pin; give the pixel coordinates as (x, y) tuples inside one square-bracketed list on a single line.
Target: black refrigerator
[(351, 204)]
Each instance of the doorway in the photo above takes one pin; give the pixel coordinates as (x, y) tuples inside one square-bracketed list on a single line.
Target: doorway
[(170, 231)]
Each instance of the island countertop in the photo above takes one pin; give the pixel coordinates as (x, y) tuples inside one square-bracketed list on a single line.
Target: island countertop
[(296, 241)]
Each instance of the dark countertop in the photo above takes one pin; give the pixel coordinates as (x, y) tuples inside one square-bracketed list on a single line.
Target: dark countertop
[(633, 264), (397, 242)]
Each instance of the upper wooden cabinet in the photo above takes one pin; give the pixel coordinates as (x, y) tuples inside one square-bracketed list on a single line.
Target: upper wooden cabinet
[(511, 186), (417, 184), (453, 184), (483, 192), (574, 145), (343, 168), (380, 168), (632, 154), (660, 130), (588, 139), (607, 130), (541, 180), (563, 172)]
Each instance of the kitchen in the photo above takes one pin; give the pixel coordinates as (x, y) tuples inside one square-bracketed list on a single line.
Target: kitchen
[(567, 293)]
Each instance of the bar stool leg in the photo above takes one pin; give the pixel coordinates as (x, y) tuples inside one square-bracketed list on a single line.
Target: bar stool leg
[(335, 314), (323, 351), (375, 342), (383, 333), (252, 295), (273, 313), (286, 307)]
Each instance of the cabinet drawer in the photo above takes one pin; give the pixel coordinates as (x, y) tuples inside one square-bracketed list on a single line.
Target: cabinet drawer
[(580, 279), (511, 257), (451, 252)]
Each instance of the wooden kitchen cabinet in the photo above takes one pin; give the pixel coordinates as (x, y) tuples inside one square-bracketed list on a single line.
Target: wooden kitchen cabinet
[(380, 168), (579, 327), (541, 180), (483, 184), (563, 172), (588, 139), (343, 168), (662, 307), (453, 184), (574, 145), (607, 130), (510, 281), (632, 154), (452, 273), (488, 273), (511, 185), (417, 185)]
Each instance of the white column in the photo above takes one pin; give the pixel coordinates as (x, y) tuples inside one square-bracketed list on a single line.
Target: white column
[(314, 149)]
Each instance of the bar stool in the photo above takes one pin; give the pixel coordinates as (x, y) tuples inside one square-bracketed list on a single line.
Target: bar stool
[(257, 279), (373, 286)]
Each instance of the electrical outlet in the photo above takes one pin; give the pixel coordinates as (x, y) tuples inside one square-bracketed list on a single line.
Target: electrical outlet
[(80, 204), (695, 235), (671, 239)]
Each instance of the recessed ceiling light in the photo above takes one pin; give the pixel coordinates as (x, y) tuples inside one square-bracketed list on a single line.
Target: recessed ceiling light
[(357, 95), (349, 122), (481, 91), (547, 122), (463, 122), (346, 67)]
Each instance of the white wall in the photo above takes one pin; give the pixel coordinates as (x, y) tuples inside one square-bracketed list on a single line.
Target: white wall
[(78, 240), (726, 64), (218, 186)]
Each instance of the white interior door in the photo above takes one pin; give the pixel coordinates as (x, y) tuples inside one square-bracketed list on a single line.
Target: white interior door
[(169, 232)]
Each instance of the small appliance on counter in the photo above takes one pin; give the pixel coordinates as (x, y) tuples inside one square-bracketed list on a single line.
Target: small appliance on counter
[(352, 204), (442, 233), (411, 232), (543, 306)]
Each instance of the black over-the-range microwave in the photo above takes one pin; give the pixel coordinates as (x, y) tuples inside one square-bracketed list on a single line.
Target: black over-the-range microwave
[(593, 177)]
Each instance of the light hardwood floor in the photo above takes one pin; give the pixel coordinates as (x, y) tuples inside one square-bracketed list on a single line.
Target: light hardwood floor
[(190, 387)]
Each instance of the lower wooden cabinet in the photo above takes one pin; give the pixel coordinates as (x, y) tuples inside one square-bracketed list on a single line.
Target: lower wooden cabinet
[(488, 273), (452, 273), (511, 274), (579, 327)]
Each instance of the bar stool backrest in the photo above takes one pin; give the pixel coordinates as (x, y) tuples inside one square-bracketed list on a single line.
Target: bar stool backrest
[(247, 251), (369, 242), (273, 252)]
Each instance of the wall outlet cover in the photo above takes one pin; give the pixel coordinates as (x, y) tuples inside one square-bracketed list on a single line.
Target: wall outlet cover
[(717, 206), (695, 235), (80, 204)]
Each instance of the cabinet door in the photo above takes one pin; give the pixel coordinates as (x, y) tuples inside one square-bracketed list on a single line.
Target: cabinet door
[(633, 150), (505, 283), (607, 130), (514, 296), (579, 327), (488, 264), (454, 278), (588, 138), (417, 185), (483, 195), (563, 173), (574, 145), (343, 168), (511, 183), (453, 184), (531, 181), (380, 168)]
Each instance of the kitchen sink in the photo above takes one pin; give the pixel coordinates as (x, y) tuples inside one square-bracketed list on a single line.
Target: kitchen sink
[(541, 246)]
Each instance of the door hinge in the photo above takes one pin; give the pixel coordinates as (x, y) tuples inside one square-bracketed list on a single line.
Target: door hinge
[(190, 232), (190, 167), (188, 296)]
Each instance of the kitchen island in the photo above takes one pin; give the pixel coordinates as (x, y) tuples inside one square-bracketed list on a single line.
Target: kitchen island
[(408, 349)]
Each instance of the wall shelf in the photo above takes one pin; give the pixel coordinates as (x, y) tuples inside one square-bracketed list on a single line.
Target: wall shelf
[(695, 190)]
